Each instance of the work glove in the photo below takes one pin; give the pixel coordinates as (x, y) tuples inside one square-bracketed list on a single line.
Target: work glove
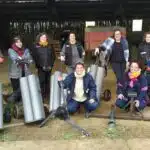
[(120, 96), (91, 100), (137, 103), (62, 58)]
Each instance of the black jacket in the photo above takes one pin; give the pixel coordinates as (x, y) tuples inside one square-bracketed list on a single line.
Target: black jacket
[(43, 56)]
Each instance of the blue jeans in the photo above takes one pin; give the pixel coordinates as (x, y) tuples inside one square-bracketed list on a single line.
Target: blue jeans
[(73, 105), (122, 103)]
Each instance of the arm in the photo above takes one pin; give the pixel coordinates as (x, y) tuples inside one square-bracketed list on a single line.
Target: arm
[(27, 55), (126, 50), (62, 53), (13, 55), (143, 89)]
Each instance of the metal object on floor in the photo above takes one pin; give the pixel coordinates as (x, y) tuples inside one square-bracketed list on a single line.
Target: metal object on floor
[(61, 111), (131, 115), (18, 111)]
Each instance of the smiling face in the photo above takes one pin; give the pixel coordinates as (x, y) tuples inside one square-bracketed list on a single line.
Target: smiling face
[(147, 38), (72, 38), (18, 43), (134, 67), (43, 38), (79, 69), (117, 36)]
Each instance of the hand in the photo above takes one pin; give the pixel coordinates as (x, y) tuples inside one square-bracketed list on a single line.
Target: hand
[(120, 96), (96, 51), (91, 101), (62, 58), (60, 78), (1, 60), (137, 103)]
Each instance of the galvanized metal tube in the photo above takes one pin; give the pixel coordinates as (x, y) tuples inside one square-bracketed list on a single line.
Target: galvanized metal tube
[(93, 71), (36, 98), (1, 108), (99, 80), (51, 93), (26, 99), (57, 93)]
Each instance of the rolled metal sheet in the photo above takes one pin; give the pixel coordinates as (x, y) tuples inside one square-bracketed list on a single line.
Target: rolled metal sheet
[(93, 71), (64, 94), (57, 93), (51, 93), (1, 108), (26, 99), (36, 98), (99, 80)]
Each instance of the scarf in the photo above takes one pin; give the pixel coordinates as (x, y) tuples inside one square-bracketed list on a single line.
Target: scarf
[(133, 77), (19, 51), (44, 44), (79, 76)]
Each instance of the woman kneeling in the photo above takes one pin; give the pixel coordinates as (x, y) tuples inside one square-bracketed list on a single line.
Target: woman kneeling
[(133, 81)]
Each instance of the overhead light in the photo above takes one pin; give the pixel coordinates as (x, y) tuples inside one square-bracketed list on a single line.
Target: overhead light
[(137, 25), (90, 23)]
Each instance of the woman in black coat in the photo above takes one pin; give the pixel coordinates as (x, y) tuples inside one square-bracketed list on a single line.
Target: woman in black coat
[(44, 57)]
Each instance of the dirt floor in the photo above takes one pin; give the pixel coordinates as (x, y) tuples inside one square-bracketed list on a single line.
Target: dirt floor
[(56, 134)]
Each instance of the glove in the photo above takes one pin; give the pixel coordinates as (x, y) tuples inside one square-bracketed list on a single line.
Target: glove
[(1, 60), (137, 103), (62, 58), (91, 101), (96, 51), (120, 96)]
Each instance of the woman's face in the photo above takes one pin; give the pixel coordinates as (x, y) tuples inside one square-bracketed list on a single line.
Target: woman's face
[(117, 35), (43, 38), (147, 38), (79, 69), (72, 37), (18, 44), (134, 67)]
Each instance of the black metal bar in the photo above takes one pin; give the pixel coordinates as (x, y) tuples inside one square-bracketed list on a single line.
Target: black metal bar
[(72, 123), (50, 116), (122, 117)]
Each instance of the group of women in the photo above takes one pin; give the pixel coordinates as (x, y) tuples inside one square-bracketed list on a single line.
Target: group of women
[(129, 74)]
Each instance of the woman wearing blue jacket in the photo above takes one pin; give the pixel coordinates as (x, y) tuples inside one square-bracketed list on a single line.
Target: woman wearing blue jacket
[(81, 90), (133, 81)]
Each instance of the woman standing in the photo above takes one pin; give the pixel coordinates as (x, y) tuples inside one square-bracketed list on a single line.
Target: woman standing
[(117, 47), (16, 54), (144, 49), (44, 57), (72, 52)]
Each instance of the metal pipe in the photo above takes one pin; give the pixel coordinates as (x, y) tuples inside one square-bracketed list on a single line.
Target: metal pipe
[(1, 108)]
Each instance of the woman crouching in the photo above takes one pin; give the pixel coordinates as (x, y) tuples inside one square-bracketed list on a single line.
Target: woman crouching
[(134, 81)]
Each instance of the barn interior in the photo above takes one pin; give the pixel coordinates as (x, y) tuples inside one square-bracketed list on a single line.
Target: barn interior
[(57, 18)]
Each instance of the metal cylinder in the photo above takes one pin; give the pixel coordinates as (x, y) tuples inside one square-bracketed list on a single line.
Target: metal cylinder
[(36, 98), (51, 93), (93, 71), (64, 92), (26, 99), (57, 96), (1, 108), (99, 80)]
